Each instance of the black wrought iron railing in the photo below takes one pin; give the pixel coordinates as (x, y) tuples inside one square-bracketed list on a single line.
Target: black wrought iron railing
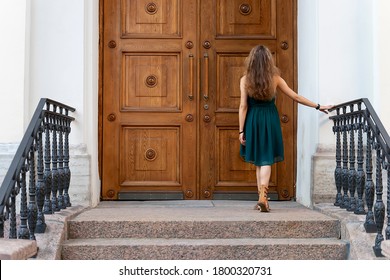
[(360, 138), (39, 176)]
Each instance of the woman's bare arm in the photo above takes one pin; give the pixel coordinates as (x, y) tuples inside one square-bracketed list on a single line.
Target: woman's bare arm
[(242, 110), (282, 85)]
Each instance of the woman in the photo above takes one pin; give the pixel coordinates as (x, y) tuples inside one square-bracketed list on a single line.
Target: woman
[(260, 133)]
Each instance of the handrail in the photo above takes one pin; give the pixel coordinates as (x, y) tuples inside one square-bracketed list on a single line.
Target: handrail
[(50, 118), (351, 118)]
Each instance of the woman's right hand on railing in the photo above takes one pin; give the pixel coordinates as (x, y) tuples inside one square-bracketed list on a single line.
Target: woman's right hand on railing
[(325, 108)]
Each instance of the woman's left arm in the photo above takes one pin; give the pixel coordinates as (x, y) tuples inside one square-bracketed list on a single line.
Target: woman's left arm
[(243, 109)]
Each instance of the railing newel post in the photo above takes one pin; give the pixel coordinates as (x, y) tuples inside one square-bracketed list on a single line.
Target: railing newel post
[(47, 172), (338, 170), (361, 177), (2, 220), (67, 171), (12, 206), (55, 174), (40, 186), (32, 204), (379, 208), (345, 203), (23, 230), (352, 171), (387, 232), (369, 224), (61, 203)]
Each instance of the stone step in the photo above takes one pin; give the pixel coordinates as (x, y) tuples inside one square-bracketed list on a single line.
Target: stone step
[(17, 249), (204, 229), (205, 249), (201, 220)]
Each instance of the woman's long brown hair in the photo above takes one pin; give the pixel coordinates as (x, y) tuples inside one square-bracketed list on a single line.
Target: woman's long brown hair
[(260, 70)]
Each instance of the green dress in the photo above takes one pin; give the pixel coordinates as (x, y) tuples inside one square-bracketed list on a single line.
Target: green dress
[(263, 134)]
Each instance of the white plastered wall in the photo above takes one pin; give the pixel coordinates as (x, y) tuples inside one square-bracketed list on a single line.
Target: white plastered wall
[(381, 67), (12, 69), (57, 71), (13, 17), (335, 65)]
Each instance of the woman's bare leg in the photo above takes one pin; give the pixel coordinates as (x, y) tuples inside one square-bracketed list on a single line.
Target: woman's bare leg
[(263, 175)]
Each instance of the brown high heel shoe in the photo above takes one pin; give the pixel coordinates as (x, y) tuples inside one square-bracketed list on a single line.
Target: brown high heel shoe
[(257, 206), (263, 199)]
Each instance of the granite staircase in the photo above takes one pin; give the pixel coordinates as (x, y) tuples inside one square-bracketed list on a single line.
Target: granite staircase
[(201, 230)]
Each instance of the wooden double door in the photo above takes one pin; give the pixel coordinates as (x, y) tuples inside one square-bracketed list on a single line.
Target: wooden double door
[(170, 95)]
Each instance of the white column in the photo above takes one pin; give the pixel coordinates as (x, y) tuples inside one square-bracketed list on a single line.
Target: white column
[(91, 70), (307, 132)]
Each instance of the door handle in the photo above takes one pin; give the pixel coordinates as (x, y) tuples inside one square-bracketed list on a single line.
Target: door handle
[(191, 73), (206, 77)]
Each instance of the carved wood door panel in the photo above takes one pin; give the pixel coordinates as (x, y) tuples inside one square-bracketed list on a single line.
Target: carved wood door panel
[(149, 126), (229, 29), (170, 96)]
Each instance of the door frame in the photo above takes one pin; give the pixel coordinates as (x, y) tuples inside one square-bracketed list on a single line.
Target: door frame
[(101, 81)]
